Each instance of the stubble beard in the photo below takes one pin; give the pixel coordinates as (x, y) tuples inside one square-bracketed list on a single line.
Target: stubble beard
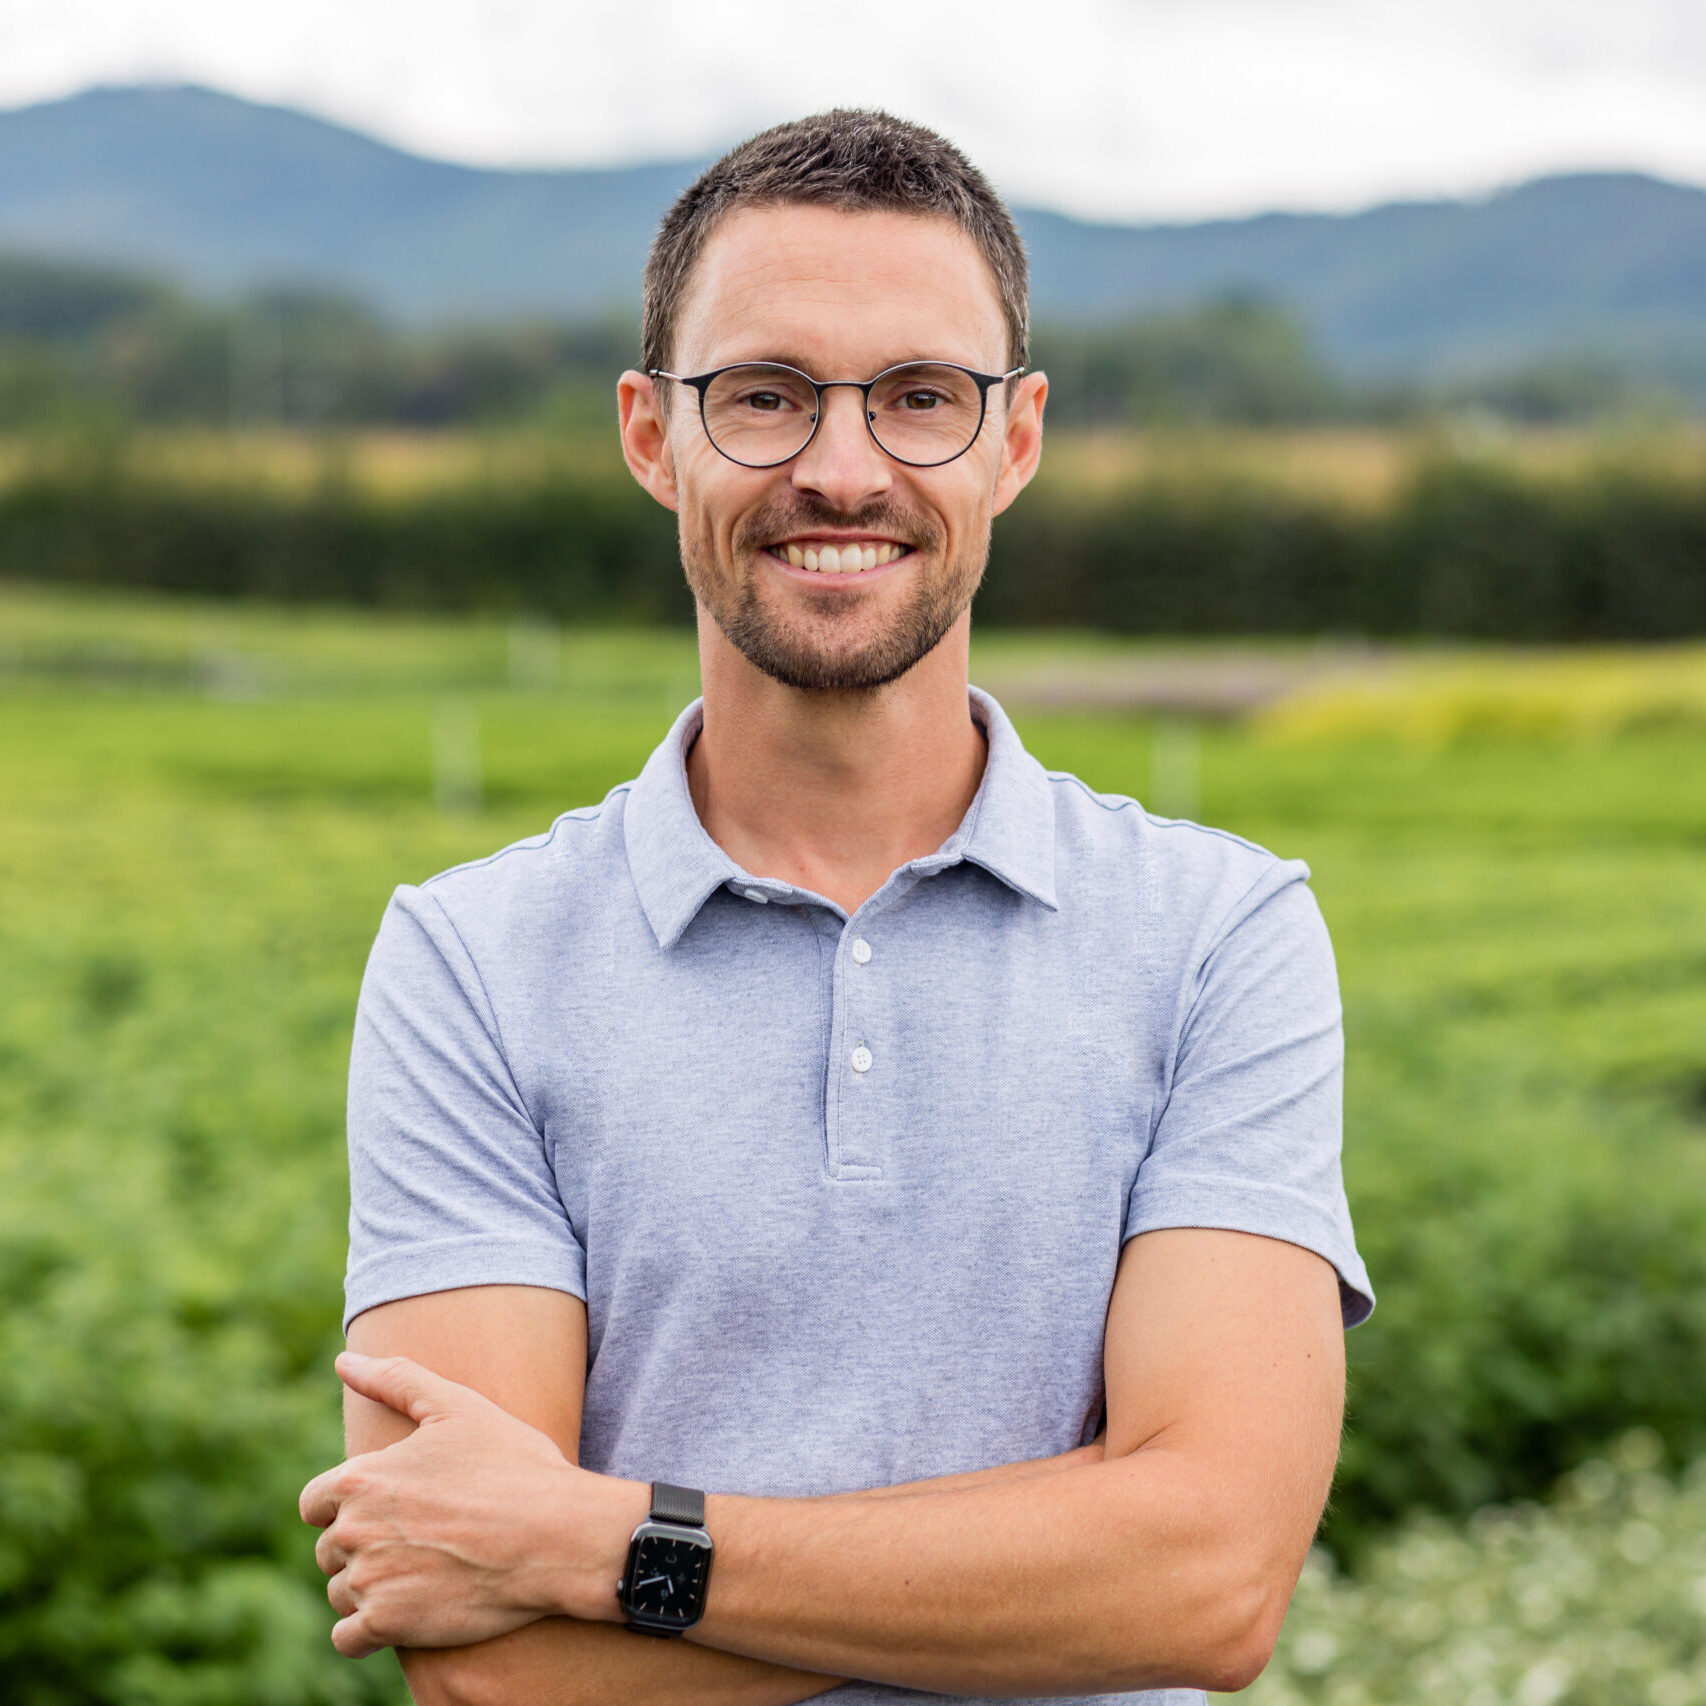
[(797, 655)]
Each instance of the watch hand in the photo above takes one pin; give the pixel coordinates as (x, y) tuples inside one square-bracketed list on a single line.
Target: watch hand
[(669, 1584)]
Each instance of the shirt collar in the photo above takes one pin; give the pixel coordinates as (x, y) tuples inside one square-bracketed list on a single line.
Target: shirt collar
[(676, 866)]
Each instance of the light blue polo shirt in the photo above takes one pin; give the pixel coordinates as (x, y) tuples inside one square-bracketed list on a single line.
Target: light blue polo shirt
[(844, 1195)]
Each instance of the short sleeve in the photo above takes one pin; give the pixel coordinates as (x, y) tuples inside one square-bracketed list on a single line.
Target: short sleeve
[(450, 1183), (1248, 1138)]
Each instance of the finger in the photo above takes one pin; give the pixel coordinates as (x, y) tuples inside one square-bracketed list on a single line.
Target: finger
[(329, 1555), (341, 1595), (352, 1639), (320, 1499), (401, 1385)]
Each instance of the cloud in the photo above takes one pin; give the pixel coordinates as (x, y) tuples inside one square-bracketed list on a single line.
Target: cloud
[(1117, 108)]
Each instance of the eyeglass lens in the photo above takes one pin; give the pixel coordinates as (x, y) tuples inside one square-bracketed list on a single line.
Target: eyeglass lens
[(923, 413)]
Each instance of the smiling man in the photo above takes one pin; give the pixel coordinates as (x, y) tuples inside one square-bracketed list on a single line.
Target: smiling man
[(853, 1201)]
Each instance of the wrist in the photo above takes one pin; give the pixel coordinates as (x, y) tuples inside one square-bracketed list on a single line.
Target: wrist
[(583, 1530)]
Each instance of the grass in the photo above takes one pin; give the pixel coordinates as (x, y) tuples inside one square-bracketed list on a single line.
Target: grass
[(207, 806)]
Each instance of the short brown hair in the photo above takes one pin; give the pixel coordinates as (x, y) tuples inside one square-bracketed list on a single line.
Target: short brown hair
[(859, 161)]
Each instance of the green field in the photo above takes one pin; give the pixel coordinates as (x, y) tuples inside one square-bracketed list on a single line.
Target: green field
[(204, 808)]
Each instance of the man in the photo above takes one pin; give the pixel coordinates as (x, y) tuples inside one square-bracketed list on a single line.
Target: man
[(935, 1161)]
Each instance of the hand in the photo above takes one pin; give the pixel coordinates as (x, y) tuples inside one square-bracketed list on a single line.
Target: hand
[(472, 1526)]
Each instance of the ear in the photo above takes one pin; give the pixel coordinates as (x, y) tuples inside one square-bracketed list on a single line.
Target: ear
[(1021, 439), (645, 436)]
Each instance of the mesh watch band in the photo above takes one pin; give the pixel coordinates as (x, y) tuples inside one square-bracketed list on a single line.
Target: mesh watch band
[(677, 1504)]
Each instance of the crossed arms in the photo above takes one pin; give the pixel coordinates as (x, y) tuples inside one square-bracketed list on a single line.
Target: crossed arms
[(461, 1531)]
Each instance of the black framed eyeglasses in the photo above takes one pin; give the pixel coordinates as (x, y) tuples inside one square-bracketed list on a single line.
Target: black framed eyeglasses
[(763, 413)]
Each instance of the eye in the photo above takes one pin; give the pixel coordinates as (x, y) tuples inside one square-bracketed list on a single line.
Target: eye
[(921, 400), (765, 402)]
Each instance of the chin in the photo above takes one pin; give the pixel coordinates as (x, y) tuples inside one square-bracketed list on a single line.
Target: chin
[(845, 663), (837, 644)]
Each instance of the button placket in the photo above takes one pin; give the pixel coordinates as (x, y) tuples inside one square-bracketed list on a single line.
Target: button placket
[(855, 1146)]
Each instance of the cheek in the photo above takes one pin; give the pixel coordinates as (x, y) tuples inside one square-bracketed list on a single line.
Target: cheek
[(966, 512)]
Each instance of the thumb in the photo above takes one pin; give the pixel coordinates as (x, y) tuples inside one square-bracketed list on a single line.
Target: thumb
[(400, 1385)]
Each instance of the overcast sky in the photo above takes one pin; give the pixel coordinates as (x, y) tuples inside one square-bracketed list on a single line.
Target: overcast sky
[(1125, 109)]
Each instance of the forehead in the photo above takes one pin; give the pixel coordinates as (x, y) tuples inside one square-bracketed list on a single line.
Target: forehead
[(840, 294)]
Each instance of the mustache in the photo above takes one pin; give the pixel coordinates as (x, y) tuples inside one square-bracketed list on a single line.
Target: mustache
[(800, 515)]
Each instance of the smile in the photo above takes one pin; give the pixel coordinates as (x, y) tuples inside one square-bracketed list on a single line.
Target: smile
[(841, 557)]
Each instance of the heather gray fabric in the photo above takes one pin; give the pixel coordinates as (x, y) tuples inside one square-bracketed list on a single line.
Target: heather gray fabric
[(844, 1196)]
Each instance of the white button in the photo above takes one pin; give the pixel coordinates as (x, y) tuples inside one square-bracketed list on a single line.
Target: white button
[(861, 1059), (861, 951), (757, 895)]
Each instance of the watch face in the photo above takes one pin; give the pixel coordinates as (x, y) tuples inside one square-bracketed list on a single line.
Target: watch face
[(666, 1579)]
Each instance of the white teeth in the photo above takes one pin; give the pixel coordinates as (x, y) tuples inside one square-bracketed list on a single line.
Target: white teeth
[(848, 559)]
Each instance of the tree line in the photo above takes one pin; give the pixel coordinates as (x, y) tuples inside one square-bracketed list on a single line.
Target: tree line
[(82, 344)]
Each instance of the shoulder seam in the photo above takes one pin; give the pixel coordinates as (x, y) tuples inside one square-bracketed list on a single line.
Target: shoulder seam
[(1119, 802), (531, 843)]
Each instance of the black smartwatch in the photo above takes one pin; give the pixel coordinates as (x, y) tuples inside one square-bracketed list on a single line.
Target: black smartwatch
[(662, 1592)]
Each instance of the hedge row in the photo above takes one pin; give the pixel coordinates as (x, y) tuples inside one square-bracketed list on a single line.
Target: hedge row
[(1462, 549)]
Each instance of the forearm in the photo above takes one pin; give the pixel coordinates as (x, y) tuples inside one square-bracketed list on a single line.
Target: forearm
[(1026, 1470), (561, 1661), (1169, 1563), (1125, 1575)]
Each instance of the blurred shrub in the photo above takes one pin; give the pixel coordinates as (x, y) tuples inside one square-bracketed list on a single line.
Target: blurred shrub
[(595, 547), (1599, 1596), (1533, 1298), (163, 1396), (92, 343), (1465, 548), (1238, 358)]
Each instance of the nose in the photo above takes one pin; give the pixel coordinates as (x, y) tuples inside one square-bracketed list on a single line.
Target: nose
[(842, 464)]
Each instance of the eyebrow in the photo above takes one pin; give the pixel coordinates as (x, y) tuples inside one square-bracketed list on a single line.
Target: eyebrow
[(795, 361)]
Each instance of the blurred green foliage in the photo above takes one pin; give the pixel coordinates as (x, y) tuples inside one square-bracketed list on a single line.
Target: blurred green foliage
[(1598, 1596), (83, 342), (88, 344), (206, 808), (1465, 545), (1232, 358)]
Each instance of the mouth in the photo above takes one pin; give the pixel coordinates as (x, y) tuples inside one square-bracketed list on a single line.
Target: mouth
[(822, 556)]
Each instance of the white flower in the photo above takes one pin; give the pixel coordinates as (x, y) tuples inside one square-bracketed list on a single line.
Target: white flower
[(1538, 1606), (1544, 1683), (1313, 1652)]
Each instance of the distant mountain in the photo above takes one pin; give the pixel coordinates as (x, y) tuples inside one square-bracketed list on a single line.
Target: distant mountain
[(1607, 261), (222, 194)]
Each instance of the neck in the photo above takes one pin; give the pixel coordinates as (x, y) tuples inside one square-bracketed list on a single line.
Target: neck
[(833, 791)]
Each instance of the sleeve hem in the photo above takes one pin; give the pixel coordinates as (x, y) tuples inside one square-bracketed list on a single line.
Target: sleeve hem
[(1269, 1211), (448, 1264)]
